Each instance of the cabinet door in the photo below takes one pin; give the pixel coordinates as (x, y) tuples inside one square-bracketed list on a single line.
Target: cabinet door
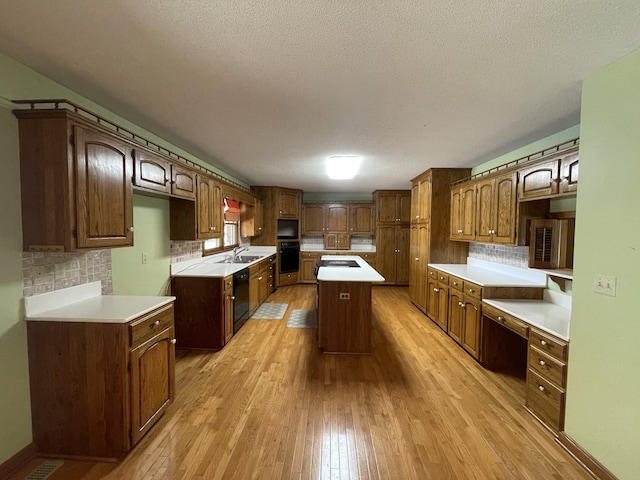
[(468, 212), (228, 309), (456, 209), (433, 299), (424, 207), (485, 214), (258, 220), (361, 219), (504, 209), (307, 267), (539, 180), (331, 241), (151, 172), (209, 206), (152, 382), (313, 220), (338, 218), (569, 173), (254, 292), (386, 253), (183, 182), (471, 327), (404, 207), (456, 315), (443, 307), (289, 204), (344, 241), (417, 275), (104, 194), (415, 202), (402, 255), (387, 208)]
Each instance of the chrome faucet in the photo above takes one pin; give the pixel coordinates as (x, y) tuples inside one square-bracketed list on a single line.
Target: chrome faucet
[(237, 250)]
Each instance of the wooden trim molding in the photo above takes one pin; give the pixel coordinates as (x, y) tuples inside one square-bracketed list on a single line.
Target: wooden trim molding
[(583, 457), (18, 460)]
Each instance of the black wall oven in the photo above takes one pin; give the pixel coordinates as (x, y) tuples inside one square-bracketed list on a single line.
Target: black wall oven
[(289, 257)]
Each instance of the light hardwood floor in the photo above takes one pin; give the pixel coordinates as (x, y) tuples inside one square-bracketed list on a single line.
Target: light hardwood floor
[(270, 406)]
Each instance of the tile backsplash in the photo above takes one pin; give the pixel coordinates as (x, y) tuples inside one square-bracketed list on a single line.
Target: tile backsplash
[(514, 256), (182, 251), (355, 240), (48, 271)]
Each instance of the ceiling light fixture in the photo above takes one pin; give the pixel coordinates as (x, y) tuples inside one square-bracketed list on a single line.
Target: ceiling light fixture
[(342, 167)]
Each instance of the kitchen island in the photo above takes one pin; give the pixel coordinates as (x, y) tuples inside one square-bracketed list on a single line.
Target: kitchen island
[(344, 304)]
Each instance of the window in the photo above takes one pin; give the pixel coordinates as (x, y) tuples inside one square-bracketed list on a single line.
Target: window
[(231, 234)]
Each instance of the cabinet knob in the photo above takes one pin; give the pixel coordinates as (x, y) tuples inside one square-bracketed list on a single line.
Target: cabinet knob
[(543, 343), (441, 278), (471, 290), (436, 290), (417, 259), (174, 341), (156, 323), (233, 298), (131, 229), (541, 388), (260, 278), (500, 319), (542, 362), (431, 273), (455, 284)]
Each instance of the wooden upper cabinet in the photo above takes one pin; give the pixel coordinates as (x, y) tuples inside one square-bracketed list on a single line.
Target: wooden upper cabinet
[(209, 207), (421, 198), (463, 212), (361, 219), (393, 206), (496, 209), (313, 219), (183, 182), (547, 178), (104, 196), (337, 218), (75, 183), (569, 173), (289, 203), (151, 172)]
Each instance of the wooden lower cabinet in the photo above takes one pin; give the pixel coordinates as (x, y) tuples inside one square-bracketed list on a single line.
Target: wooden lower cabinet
[(228, 308), (464, 321), (392, 253), (547, 378), (287, 279), (260, 283), (308, 261), (201, 315), (97, 388)]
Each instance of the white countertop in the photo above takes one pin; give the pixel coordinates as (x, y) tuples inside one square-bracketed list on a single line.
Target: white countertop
[(365, 273), (84, 303), (489, 274), (551, 314), (210, 266), (310, 247)]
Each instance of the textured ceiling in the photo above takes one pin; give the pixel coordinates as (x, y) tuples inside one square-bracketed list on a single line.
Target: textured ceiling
[(266, 90)]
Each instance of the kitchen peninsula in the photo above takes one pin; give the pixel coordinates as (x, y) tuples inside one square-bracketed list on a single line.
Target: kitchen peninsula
[(344, 304)]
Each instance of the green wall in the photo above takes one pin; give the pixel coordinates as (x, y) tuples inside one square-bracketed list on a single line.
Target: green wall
[(151, 237), (15, 412), (603, 394)]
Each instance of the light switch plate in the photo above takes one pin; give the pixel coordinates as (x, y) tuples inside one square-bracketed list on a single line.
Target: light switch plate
[(604, 284)]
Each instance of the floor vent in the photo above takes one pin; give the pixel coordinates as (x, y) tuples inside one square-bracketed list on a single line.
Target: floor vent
[(44, 470)]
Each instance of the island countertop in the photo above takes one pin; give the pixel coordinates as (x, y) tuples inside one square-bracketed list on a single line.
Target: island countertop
[(363, 273)]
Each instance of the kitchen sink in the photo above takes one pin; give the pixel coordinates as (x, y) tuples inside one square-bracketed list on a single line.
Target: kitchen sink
[(246, 258)]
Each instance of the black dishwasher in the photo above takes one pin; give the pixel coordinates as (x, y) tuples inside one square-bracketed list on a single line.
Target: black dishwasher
[(240, 298), (289, 257)]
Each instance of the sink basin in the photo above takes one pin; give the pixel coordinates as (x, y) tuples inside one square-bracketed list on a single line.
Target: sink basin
[(247, 258)]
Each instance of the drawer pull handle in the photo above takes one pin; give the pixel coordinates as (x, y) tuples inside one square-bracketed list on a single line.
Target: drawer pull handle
[(541, 388), (543, 343), (431, 273), (471, 290), (174, 341), (455, 284), (155, 324), (542, 362)]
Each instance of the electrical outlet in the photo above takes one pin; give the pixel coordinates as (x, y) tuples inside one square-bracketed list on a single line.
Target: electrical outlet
[(604, 284), (145, 259), (344, 296)]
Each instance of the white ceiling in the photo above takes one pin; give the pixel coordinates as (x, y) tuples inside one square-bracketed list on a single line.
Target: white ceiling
[(267, 89)]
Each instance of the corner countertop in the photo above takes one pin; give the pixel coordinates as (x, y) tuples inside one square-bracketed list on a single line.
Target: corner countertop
[(355, 249), (214, 266), (85, 304), (489, 274), (552, 314), (364, 273)]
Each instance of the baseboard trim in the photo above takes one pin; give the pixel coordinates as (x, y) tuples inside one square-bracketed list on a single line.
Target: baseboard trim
[(595, 468), (18, 460)]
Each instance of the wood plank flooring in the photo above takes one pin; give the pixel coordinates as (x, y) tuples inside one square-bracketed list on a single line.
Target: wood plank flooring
[(270, 406)]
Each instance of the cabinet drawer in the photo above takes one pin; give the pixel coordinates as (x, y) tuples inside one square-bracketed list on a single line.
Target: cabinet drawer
[(506, 320), (433, 274), (472, 290), (309, 255), (370, 257), (228, 282), (456, 282), (143, 328), (443, 278), (288, 278), (548, 367), (545, 400), (550, 346)]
